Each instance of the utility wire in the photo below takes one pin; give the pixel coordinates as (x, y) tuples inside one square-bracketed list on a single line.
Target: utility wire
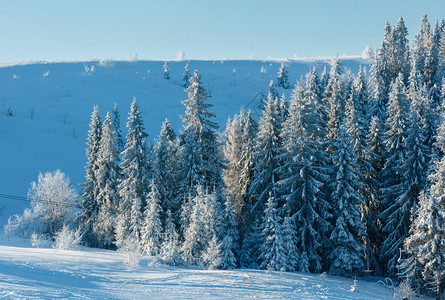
[(19, 198)]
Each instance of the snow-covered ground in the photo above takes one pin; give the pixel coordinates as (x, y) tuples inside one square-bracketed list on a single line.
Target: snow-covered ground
[(46, 273), (52, 103)]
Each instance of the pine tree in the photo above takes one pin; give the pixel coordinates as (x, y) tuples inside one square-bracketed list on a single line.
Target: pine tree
[(166, 71), (164, 168), (290, 245), (170, 246), (186, 76), (266, 154), (133, 188), (397, 124), (421, 45), (115, 120), (313, 95), (282, 79), (89, 204), (152, 226), (229, 244), (233, 154), (200, 160), (347, 254), (401, 62), (273, 255), (334, 100), (303, 179), (108, 177)]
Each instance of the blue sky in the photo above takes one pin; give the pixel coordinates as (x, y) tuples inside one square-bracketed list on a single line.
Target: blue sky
[(77, 29)]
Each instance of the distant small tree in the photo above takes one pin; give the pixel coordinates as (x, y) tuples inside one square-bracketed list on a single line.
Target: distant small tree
[(166, 71), (282, 79)]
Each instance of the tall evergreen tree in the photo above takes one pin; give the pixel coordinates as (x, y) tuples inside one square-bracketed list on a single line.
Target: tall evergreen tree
[(229, 244), (395, 142), (165, 154), (421, 46), (108, 177), (89, 204), (334, 100), (347, 254), (170, 254), (133, 188)]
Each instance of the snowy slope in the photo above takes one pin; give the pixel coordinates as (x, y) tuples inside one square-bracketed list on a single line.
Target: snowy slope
[(99, 274), (52, 104)]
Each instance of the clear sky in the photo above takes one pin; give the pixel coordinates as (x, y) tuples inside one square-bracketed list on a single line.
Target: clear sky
[(78, 29)]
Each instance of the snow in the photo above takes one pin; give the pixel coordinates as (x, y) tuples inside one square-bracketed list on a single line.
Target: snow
[(29, 273)]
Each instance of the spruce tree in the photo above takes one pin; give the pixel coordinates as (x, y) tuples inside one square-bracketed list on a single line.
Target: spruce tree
[(115, 120), (108, 175), (133, 188), (273, 255), (151, 239), (395, 142), (282, 78), (170, 254), (229, 244), (89, 205), (290, 240), (200, 160), (334, 100), (186, 76), (166, 71), (165, 155), (347, 251)]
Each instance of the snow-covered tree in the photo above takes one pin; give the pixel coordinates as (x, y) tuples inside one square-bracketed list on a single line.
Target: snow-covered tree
[(229, 244), (133, 188), (90, 189), (283, 78), (166, 71), (186, 76), (211, 256), (290, 240), (108, 176), (200, 160), (395, 142), (151, 239), (165, 155), (347, 251), (115, 120), (334, 100), (273, 254), (268, 143), (170, 251), (53, 201)]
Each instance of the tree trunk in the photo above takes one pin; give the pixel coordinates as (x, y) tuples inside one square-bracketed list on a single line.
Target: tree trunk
[(438, 287)]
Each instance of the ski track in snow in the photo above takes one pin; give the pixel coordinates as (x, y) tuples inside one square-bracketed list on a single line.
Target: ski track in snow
[(45, 273)]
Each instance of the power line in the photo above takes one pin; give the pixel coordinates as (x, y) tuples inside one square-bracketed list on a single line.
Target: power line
[(29, 200)]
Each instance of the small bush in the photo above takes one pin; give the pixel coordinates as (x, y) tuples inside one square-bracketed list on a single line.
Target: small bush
[(68, 239)]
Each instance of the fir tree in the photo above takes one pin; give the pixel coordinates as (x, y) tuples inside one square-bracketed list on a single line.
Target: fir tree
[(266, 154), (186, 76), (108, 177), (273, 255), (152, 226), (170, 254), (115, 120), (290, 240), (334, 100), (164, 168), (89, 204), (211, 256), (133, 188), (421, 45), (397, 124), (166, 71), (347, 254), (282, 79), (229, 244)]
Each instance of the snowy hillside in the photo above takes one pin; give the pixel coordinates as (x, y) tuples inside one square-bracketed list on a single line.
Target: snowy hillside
[(27, 272), (51, 105)]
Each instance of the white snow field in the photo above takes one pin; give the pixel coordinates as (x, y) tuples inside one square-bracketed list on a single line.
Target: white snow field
[(45, 273), (52, 104)]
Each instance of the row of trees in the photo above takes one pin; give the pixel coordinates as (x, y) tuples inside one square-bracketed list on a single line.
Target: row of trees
[(347, 176)]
